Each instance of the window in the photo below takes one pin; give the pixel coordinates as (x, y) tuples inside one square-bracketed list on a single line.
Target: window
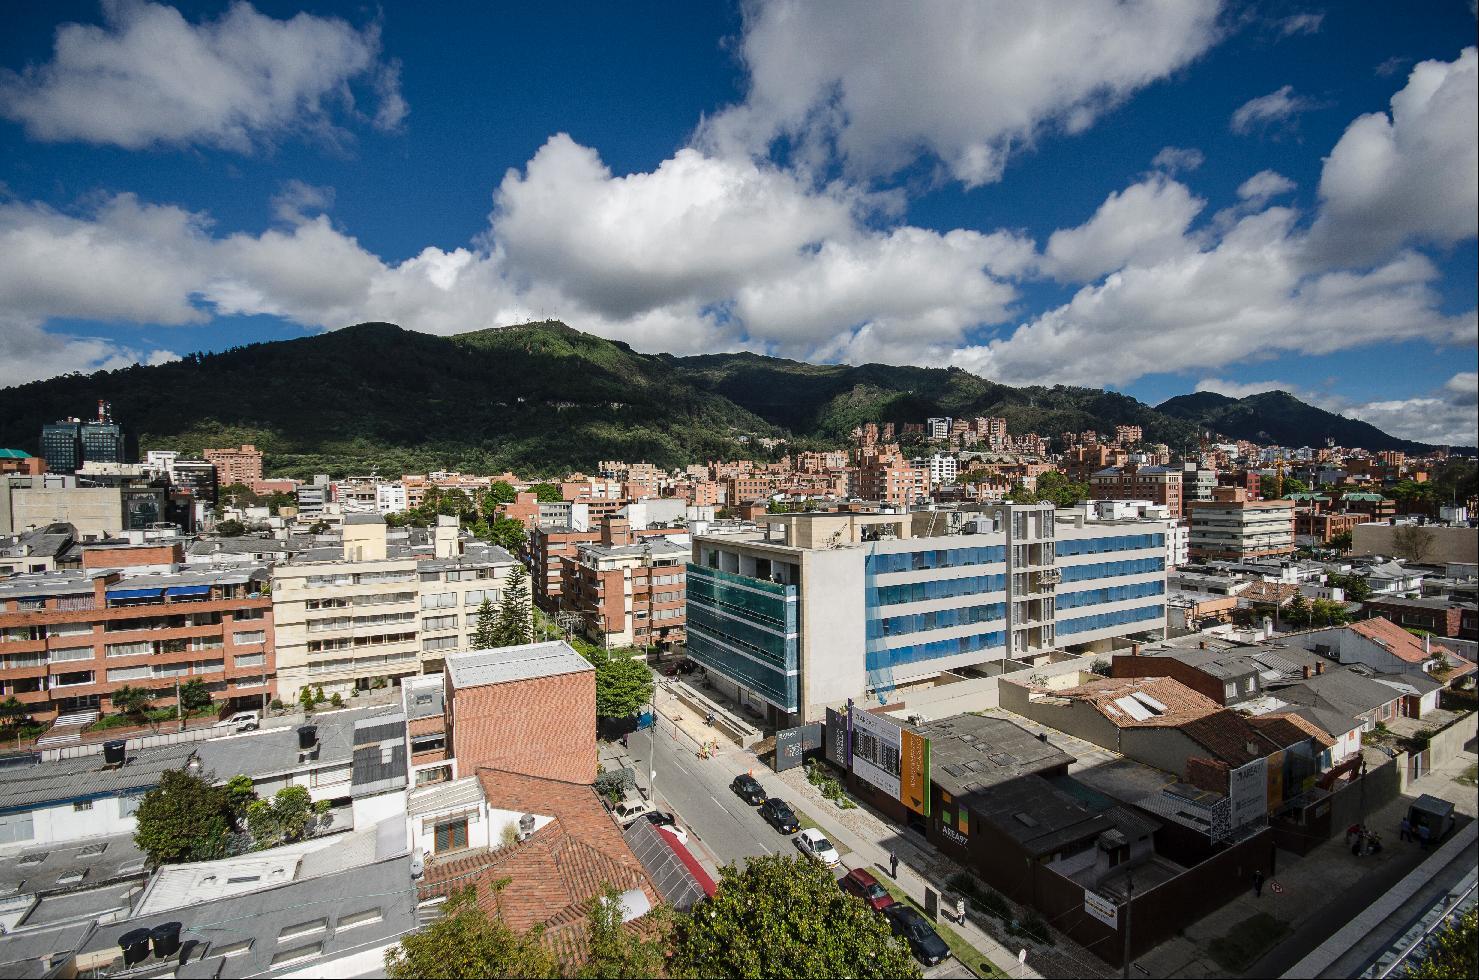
[(432, 643), (18, 827), (439, 623), (130, 673), (251, 660), (302, 929), (233, 949), (365, 918), (297, 954), (82, 807), (70, 653), (451, 836), (255, 636), (439, 600), (139, 648)]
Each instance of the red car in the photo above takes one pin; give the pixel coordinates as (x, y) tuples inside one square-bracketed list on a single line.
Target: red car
[(862, 884)]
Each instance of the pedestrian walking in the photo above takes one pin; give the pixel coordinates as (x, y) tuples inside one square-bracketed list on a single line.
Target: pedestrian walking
[(893, 865), (1406, 829), (960, 910), (1424, 835), (1258, 884)]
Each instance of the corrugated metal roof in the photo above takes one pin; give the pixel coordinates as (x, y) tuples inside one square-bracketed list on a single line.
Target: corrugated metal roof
[(498, 666)]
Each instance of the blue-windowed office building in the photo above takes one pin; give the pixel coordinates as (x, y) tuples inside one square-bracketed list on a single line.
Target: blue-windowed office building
[(822, 607)]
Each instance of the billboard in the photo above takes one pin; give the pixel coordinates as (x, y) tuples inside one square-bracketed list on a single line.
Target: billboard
[(915, 772), (1101, 908), (837, 737), (877, 743), (1247, 791), (792, 744)]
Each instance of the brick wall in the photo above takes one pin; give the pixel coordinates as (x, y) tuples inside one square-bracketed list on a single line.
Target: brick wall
[(542, 727)]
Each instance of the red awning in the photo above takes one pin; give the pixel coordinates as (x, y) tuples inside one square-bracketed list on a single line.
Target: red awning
[(689, 861)]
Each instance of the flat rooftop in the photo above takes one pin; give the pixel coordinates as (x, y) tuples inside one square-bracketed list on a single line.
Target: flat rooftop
[(29, 787), (519, 663), (971, 754)]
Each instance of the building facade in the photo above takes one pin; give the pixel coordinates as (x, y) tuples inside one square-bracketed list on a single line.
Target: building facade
[(69, 640), (1158, 484), (242, 464), (827, 607), (628, 593), (1233, 527)]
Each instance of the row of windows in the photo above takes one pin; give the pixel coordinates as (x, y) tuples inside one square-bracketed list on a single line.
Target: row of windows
[(1099, 546), (1119, 618), (888, 595), (898, 656), (1111, 593), (1112, 569), (316, 646), (344, 602), (939, 619), (952, 558)]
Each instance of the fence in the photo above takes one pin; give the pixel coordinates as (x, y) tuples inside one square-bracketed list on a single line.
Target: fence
[(136, 742)]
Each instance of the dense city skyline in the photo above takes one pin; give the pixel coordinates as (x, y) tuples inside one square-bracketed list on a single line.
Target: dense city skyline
[(1155, 199)]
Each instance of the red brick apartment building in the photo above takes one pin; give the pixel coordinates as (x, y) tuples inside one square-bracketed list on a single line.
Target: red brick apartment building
[(68, 640), (1158, 484), (527, 709), (550, 546), (628, 592), (243, 465)]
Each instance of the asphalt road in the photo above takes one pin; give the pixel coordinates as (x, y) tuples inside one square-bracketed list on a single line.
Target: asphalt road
[(697, 791)]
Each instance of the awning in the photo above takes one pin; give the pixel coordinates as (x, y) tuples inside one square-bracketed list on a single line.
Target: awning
[(134, 593), (188, 590)]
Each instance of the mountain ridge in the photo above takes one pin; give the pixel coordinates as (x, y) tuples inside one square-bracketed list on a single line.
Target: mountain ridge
[(545, 397)]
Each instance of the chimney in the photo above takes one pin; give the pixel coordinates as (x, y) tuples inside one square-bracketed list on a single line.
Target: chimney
[(1134, 649), (444, 537), (1268, 628), (1304, 672), (1319, 667), (1201, 644), (1427, 644)]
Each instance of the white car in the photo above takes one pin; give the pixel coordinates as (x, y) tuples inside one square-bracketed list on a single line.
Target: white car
[(242, 721), (813, 844)]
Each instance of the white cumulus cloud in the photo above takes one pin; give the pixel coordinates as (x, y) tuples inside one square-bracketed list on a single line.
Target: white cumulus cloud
[(148, 77), (1146, 222), (965, 82), (1280, 106)]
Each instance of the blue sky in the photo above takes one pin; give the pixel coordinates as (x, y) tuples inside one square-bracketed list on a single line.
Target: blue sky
[(1155, 197)]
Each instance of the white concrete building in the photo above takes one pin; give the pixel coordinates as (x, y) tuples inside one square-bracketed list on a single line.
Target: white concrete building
[(942, 469)]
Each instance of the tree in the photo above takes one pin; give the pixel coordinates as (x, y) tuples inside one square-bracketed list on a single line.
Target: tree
[(1355, 587), (623, 685), (231, 528), (1341, 541), (485, 633), (786, 917), (464, 942), (1296, 614), (305, 698), (1020, 494), (319, 527), (499, 493), (1102, 668), (509, 533), (1413, 542), (194, 696), (1058, 489), (131, 701), (240, 793), (282, 820), (514, 625), (1454, 951), (616, 952), (184, 818), (1328, 612), (547, 493), (13, 712)]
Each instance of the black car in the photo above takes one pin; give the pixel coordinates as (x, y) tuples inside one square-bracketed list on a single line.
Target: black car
[(659, 819), (924, 942), (748, 789), (778, 814)]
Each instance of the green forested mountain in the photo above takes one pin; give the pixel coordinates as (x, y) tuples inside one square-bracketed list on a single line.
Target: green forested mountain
[(541, 399), (1279, 417)]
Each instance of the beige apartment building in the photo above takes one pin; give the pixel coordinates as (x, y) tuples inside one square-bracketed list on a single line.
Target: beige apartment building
[(452, 588), (343, 623)]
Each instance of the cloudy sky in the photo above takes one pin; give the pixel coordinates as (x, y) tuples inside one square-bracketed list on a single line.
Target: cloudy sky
[(1157, 197)]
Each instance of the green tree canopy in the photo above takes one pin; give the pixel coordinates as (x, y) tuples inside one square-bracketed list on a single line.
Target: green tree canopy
[(230, 528), (1357, 589), (509, 533), (194, 695), (499, 493), (184, 818), (485, 633), (282, 820), (465, 943), (515, 622), (131, 701), (623, 685), (786, 917), (547, 493), (1454, 952), (615, 951), (1341, 541)]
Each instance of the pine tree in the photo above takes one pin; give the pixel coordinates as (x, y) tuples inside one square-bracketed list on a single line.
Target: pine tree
[(485, 634), (514, 624)]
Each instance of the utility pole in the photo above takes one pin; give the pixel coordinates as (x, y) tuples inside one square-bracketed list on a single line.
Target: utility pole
[(1129, 905), (179, 706)]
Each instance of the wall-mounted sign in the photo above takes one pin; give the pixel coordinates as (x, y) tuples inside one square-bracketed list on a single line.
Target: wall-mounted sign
[(877, 743), (792, 744), (1101, 908), (915, 772)]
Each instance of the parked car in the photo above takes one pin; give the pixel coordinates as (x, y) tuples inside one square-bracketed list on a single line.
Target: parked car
[(667, 822), (242, 721), (924, 942), (862, 884), (747, 788), (630, 809), (778, 814), (814, 844)]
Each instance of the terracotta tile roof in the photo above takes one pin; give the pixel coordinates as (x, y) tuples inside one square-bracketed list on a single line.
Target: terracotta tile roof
[(1287, 728), (1396, 640), (552, 875), (1181, 703), (1271, 592), (1227, 735)]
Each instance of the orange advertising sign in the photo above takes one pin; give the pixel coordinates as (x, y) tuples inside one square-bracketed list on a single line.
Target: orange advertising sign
[(914, 780)]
